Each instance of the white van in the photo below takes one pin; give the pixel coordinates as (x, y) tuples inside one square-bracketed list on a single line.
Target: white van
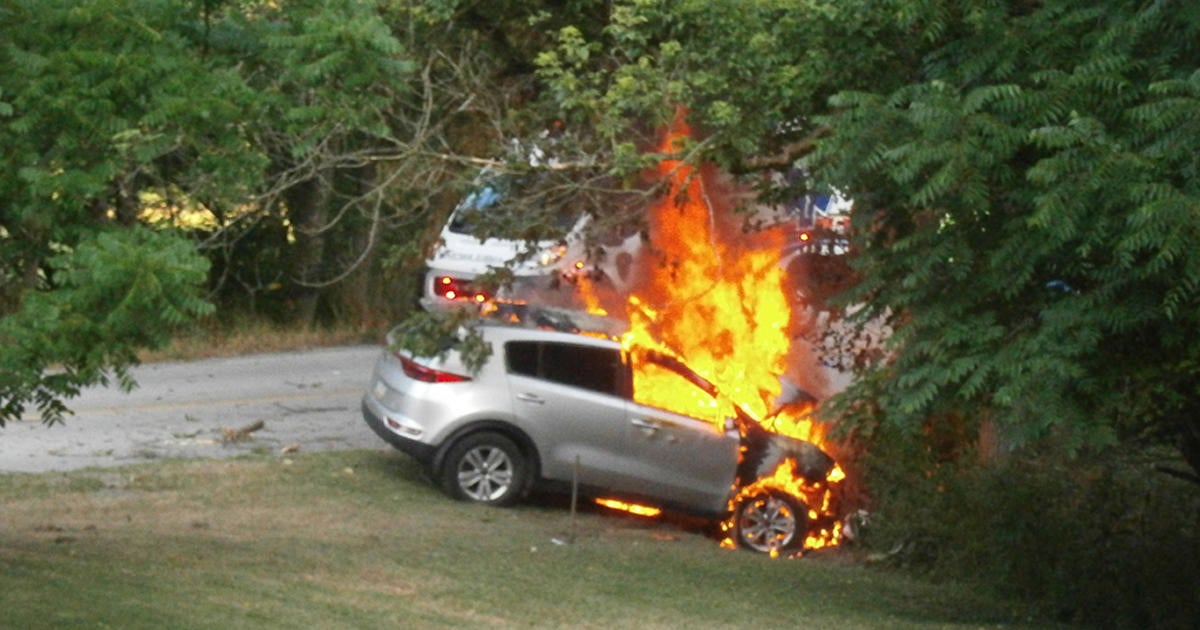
[(544, 271), (461, 256)]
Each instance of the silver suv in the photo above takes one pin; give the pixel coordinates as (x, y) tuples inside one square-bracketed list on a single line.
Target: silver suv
[(557, 408)]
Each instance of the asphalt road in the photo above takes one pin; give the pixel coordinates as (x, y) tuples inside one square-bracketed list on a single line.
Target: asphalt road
[(306, 401)]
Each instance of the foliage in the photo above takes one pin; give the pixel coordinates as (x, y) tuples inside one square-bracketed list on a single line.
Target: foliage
[(1100, 541), (426, 334), (751, 75), (1025, 223), (87, 128), (1027, 217), (120, 113), (114, 293), (91, 125)]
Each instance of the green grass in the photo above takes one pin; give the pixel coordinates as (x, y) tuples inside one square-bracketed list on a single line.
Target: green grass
[(359, 540)]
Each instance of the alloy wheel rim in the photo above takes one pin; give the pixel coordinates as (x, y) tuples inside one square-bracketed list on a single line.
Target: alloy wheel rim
[(485, 473), (767, 524)]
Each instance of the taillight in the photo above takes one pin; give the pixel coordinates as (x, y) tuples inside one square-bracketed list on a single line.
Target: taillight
[(419, 372), (552, 255), (452, 288)]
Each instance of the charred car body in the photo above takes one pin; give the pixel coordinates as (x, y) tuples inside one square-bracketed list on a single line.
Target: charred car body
[(557, 408)]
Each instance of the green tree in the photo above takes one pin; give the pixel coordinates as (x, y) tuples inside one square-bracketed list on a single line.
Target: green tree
[(114, 292), (1025, 223), (329, 75), (295, 140), (1028, 221), (125, 113), (370, 116), (101, 107)]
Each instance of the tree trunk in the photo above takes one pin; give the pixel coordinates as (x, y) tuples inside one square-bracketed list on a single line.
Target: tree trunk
[(308, 211)]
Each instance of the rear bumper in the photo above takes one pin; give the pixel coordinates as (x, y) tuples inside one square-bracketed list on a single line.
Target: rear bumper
[(423, 453)]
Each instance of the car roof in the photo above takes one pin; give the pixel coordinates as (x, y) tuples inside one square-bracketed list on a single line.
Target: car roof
[(530, 321), (501, 333)]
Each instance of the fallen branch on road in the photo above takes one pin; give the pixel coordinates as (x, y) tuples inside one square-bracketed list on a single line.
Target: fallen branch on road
[(240, 435)]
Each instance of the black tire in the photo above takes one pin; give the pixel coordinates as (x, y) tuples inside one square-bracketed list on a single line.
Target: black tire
[(486, 468), (770, 521)]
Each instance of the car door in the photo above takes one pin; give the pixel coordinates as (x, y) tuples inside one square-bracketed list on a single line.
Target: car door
[(570, 400), (682, 453)]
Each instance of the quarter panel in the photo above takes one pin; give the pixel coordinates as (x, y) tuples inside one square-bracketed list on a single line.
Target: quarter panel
[(438, 408)]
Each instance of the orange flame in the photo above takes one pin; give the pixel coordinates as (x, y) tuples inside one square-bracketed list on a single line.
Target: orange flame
[(717, 298), (632, 508)]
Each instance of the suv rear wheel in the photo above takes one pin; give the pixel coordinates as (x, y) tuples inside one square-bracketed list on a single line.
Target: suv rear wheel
[(485, 468), (770, 521)]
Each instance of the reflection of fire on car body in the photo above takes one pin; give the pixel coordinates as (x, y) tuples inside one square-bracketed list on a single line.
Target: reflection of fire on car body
[(695, 287)]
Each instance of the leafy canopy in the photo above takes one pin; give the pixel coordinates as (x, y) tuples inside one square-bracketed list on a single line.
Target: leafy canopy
[(116, 291), (112, 108), (1028, 218)]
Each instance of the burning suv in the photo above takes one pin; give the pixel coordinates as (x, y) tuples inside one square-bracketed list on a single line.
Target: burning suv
[(559, 408)]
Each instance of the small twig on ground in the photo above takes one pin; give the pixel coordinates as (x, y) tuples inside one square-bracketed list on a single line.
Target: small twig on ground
[(240, 435)]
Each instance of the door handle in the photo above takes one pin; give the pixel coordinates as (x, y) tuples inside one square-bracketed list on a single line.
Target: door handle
[(531, 398), (649, 426)]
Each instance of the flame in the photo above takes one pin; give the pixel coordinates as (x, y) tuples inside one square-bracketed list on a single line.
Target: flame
[(632, 508), (717, 298), (818, 496), (588, 292)]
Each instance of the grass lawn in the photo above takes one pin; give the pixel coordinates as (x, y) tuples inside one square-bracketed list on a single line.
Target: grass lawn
[(359, 540)]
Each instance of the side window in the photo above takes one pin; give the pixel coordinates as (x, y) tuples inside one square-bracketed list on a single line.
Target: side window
[(596, 369), (522, 357), (581, 366)]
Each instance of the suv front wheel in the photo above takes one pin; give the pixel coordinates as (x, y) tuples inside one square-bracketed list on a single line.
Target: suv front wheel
[(770, 521), (485, 468)]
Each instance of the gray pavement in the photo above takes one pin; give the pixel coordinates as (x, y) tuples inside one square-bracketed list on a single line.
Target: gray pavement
[(307, 401)]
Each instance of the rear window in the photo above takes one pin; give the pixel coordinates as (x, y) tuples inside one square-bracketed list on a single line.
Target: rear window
[(586, 367), (537, 209)]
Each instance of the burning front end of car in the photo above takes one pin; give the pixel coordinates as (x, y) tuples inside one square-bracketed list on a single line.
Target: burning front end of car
[(788, 495), (718, 299)]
